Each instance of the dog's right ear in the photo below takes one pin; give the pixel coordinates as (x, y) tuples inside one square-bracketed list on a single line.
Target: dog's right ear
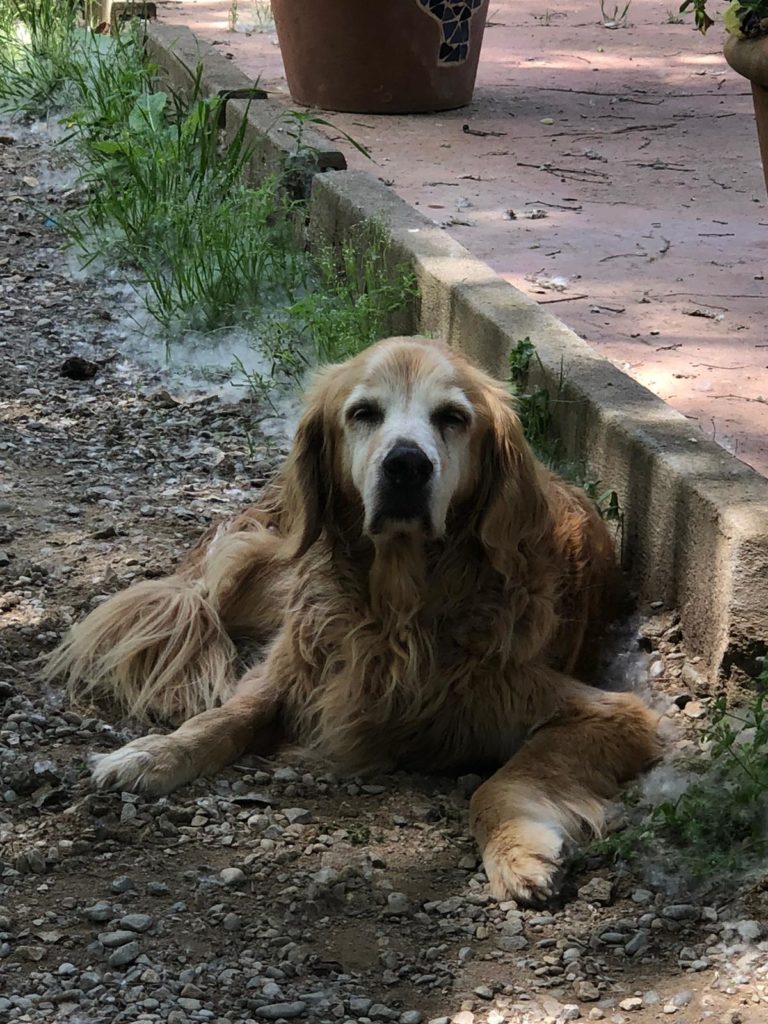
[(308, 475)]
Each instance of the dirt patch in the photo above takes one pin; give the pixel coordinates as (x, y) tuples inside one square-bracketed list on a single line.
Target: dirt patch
[(209, 905)]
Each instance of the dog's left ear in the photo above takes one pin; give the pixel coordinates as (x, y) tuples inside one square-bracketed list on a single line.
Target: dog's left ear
[(308, 475), (515, 516)]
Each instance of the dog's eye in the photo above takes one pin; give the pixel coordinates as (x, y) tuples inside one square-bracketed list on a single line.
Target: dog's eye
[(365, 412), (450, 416)]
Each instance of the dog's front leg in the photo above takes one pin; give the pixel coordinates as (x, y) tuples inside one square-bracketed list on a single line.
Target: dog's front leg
[(556, 788), (203, 745)]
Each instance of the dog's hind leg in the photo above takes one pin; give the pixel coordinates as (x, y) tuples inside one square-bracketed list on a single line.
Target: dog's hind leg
[(164, 648), (556, 787), (203, 745)]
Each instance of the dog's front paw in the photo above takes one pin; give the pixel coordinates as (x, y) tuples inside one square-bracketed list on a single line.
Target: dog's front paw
[(152, 764), (522, 859)]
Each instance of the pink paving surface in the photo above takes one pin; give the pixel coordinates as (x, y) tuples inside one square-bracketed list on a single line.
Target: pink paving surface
[(614, 176)]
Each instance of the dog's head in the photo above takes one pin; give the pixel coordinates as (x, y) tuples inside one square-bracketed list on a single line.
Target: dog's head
[(409, 437)]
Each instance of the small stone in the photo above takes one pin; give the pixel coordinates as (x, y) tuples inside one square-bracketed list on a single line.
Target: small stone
[(694, 709), (286, 774), (397, 903), (637, 943), (669, 1008), (125, 955), (586, 991), (631, 1004), (484, 992), (298, 815), (122, 884), (463, 1017), (681, 912), (596, 1013), (570, 1011), (137, 922), (597, 890), (642, 896), (117, 938), (231, 922), (496, 1017), (274, 1011), (99, 912), (33, 953), (749, 931), (157, 889), (360, 1005), (381, 1012), (681, 999), (411, 1017), (232, 876), (66, 970)]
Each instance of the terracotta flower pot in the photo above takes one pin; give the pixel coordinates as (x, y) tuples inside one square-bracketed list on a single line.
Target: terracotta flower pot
[(381, 56), (749, 57)]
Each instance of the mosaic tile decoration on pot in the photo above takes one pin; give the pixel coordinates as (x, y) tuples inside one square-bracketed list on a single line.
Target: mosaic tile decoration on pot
[(454, 17)]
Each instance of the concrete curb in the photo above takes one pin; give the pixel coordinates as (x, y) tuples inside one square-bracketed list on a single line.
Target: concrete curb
[(695, 518)]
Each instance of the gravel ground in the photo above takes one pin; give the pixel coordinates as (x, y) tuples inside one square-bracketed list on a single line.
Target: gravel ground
[(276, 891)]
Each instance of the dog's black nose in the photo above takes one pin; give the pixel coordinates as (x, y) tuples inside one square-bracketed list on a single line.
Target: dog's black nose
[(407, 464)]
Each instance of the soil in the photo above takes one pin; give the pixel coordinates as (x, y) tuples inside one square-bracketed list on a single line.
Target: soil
[(612, 174), (275, 891)]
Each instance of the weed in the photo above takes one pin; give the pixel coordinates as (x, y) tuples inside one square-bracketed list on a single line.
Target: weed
[(617, 19), (232, 16), (717, 826), (535, 411), (533, 405), (167, 202), (37, 40), (359, 835)]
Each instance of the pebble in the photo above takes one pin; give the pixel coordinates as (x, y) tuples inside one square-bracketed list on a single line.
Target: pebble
[(398, 903), (122, 884), (749, 931), (125, 955), (114, 939), (232, 876), (631, 1004), (137, 922), (274, 1011), (597, 890), (681, 912), (587, 991), (99, 912), (298, 815)]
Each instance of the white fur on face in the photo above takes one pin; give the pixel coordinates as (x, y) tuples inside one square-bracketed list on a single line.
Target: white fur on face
[(428, 411)]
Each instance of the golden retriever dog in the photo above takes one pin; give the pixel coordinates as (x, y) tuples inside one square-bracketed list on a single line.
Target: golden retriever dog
[(429, 593)]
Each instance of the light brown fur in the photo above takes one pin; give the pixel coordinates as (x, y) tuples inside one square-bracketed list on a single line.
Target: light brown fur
[(433, 654)]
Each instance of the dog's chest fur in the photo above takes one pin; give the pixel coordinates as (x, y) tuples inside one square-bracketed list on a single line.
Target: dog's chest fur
[(411, 663)]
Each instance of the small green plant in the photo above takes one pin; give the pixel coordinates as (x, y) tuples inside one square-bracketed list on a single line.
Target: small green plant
[(717, 826), (37, 42), (232, 16), (533, 405), (359, 835)]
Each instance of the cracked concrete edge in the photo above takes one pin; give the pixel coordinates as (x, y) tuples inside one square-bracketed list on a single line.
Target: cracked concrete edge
[(276, 142), (695, 533)]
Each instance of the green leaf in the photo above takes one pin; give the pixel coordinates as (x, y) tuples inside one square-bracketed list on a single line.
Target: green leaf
[(148, 112)]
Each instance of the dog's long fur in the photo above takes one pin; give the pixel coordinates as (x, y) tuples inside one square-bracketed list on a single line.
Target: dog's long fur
[(442, 651)]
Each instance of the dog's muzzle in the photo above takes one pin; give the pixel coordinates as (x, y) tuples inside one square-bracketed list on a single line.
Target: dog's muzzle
[(404, 488)]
